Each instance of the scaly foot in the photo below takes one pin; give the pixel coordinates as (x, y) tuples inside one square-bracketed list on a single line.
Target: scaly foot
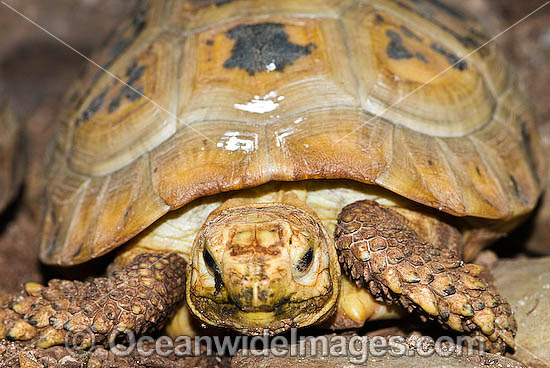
[(139, 297), (380, 250)]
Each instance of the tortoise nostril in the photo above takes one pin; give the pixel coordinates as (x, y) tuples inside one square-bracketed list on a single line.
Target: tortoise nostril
[(254, 297)]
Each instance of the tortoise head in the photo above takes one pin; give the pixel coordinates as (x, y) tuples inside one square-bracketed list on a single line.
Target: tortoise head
[(262, 267)]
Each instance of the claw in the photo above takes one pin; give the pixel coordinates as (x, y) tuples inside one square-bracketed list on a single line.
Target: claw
[(425, 299), (50, 338), (90, 311), (22, 331), (33, 288)]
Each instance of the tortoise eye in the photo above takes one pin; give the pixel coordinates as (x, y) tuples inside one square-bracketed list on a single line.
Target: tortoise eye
[(304, 262), (213, 267)]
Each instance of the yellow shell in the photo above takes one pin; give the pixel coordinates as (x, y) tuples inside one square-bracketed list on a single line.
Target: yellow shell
[(237, 93), (11, 155)]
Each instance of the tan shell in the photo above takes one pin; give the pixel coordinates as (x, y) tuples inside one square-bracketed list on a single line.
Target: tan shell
[(364, 90), (11, 155)]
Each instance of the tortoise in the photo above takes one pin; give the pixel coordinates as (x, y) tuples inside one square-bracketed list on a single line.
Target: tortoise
[(271, 165), (11, 172)]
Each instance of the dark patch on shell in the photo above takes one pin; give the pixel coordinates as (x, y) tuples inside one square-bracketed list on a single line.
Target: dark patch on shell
[(427, 14), (378, 18), (527, 143), (92, 108), (403, 5), (447, 9), (407, 32), (451, 58), (207, 3), (477, 33), (258, 45), (420, 56), (517, 191), (134, 73), (78, 250), (395, 49), (137, 26)]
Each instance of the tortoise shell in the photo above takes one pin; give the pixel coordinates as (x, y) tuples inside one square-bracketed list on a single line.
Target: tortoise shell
[(11, 155), (221, 95)]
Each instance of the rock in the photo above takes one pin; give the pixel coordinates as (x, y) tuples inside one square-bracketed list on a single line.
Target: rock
[(361, 354), (13, 354), (526, 285)]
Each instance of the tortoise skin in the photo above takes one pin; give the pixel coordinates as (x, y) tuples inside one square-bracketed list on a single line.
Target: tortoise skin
[(139, 296), (247, 92), (379, 249), (11, 155)]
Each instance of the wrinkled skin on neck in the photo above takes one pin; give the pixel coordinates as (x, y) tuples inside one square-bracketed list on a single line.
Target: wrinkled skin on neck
[(262, 268)]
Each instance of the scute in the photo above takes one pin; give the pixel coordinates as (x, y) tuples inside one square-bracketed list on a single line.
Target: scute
[(373, 91), (118, 124)]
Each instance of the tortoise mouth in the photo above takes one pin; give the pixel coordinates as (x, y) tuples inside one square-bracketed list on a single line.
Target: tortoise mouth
[(265, 319)]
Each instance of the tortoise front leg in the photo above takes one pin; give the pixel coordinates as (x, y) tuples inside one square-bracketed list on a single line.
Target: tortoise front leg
[(379, 249), (140, 296)]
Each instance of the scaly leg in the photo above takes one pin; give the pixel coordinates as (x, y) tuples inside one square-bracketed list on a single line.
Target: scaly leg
[(140, 296), (380, 250)]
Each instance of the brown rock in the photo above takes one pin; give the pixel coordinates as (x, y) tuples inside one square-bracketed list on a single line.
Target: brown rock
[(526, 285), (17, 355), (415, 357)]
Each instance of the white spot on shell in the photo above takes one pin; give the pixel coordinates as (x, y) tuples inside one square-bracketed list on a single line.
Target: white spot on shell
[(236, 141), (299, 120), (270, 95), (257, 106), (282, 134), (260, 105), (280, 98), (271, 67)]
